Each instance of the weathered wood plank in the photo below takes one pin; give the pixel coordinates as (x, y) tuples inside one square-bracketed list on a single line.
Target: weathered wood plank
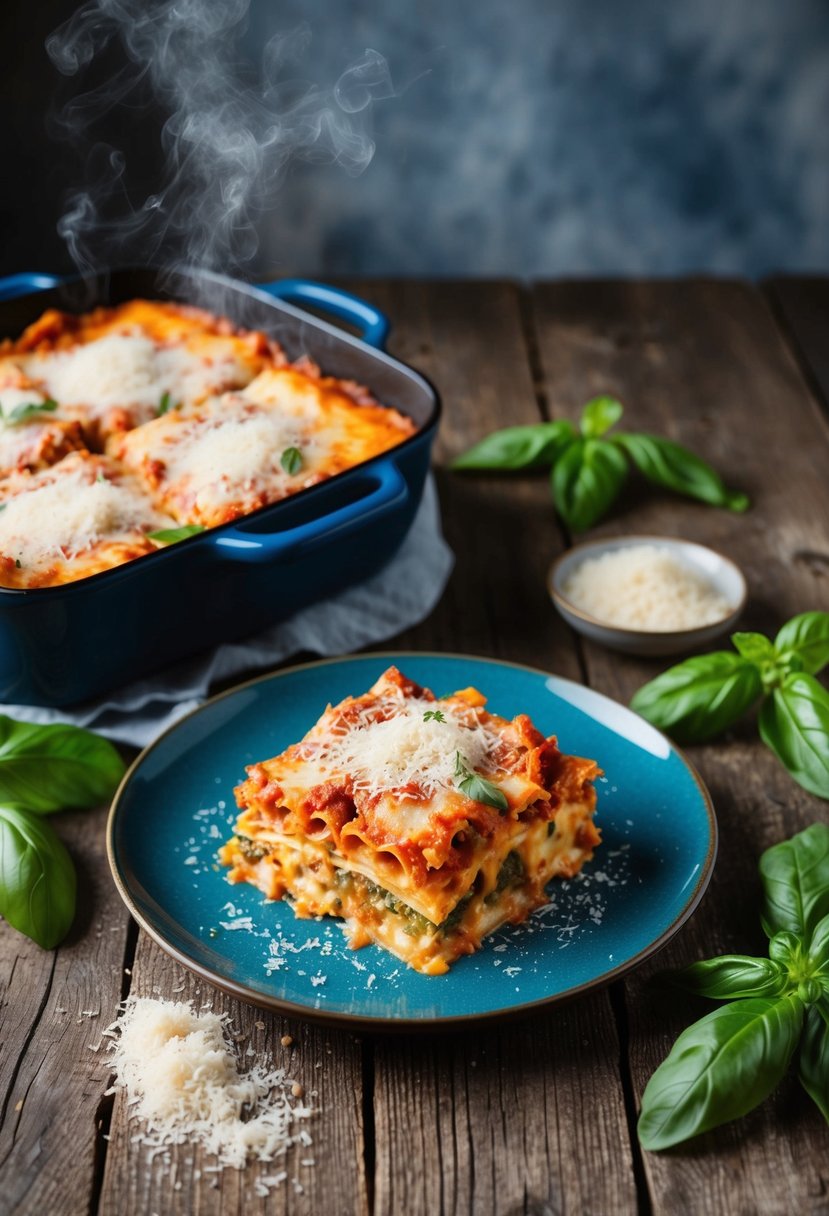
[(704, 364), (55, 1005), (500, 1120), (328, 1066), (801, 305)]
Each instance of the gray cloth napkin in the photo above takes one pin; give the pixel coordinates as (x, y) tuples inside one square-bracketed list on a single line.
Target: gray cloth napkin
[(401, 594)]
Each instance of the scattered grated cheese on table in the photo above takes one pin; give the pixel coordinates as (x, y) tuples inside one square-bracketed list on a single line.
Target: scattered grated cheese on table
[(180, 1071)]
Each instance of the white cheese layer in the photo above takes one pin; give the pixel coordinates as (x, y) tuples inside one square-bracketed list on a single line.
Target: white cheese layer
[(130, 370), (66, 516)]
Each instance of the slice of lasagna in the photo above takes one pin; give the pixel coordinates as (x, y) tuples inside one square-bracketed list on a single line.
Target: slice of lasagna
[(425, 823), (225, 458), (115, 368), (73, 519)]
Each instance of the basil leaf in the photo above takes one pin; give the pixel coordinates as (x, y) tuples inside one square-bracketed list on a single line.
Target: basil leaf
[(519, 447), (291, 460), (599, 415), (813, 1061), (478, 788), (701, 697), (37, 878), (785, 948), (819, 946), (585, 481), (794, 723), (165, 403), (805, 637), (733, 975), (755, 647), (22, 412), (668, 464), (795, 876), (169, 536), (50, 768), (719, 1069)]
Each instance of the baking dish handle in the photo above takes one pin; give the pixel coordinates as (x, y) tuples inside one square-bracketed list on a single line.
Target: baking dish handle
[(372, 324), (389, 493), (25, 283)]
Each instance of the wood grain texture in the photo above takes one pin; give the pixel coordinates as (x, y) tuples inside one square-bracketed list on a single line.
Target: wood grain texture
[(54, 1006), (801, 306), (704, 364), (495, 1121)]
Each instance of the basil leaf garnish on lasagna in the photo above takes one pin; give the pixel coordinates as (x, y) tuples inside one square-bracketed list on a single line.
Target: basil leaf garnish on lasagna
[(425, 824)]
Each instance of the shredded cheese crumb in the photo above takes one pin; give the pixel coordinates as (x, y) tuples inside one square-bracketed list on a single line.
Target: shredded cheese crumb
[(181, 1074), (402, 750), (644, 587)]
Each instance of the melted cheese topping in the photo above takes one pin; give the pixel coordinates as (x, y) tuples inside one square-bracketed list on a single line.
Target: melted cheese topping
[(235, 448), (131, 370), (67, 510)]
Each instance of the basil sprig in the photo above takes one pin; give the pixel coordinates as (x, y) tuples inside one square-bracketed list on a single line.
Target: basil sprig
[(707, 694), (589, 466), (24, 411), (45, 769), (478, 788), (728, 1062)]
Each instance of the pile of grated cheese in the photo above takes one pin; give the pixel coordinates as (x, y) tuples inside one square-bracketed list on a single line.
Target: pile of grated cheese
[(405, 749), (65, 516), (644, 587), (181, 1075)]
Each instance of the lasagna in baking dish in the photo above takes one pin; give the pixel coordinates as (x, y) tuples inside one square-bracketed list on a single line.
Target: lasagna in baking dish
[(119, 426), (424, 823)]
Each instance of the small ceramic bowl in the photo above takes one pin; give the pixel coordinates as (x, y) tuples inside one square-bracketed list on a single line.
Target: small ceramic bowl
[(721, 572)]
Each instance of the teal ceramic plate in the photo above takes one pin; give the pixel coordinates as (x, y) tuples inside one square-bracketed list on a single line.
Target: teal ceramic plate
[(175, 807)]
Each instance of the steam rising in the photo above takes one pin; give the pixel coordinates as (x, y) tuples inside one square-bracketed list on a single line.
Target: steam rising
[(229, 134)]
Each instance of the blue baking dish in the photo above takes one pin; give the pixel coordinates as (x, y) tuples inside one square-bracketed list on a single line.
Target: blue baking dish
[(67, 644)]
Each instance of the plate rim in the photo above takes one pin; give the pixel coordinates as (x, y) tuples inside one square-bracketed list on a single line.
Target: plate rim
[(377, 1024)]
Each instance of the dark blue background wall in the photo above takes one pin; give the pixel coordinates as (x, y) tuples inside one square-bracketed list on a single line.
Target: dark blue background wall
[(575, 137), (533, 138)]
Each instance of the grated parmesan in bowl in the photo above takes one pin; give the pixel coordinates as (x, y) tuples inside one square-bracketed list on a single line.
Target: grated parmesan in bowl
[(647, 595)]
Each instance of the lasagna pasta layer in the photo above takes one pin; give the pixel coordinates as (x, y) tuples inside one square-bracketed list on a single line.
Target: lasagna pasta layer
[(377, 816)]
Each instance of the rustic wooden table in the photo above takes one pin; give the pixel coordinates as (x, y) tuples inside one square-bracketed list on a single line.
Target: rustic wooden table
[(538, 1116)]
